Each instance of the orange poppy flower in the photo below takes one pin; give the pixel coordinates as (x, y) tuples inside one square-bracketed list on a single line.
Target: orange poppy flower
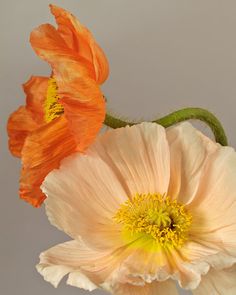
[(64, 112)]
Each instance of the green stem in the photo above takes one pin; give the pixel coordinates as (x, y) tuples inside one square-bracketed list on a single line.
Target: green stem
[(179, 116)]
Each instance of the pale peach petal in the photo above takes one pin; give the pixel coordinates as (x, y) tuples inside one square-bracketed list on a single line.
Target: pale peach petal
[(83, 196), (218, 283), (193, 261), (221, 261), (214, 206), (155, 288), (91, 190), (79, 280), (149, 266), (189, 275), (139, 156), (186, 266), (145, 265), (205, 251), (189, 150), (212, 242), (53, 274), (65, 259), (87, 268)]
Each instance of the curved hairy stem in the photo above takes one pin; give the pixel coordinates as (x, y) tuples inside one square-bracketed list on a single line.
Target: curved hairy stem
[(179, 116)]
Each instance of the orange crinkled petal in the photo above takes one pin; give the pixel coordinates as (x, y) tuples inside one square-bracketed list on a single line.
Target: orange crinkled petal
[(80, 39), (20, 125), (43, 150), (36, 89), (85, 121), (26, 119), (77, 73), (50, 46), (71, 39), (83, 101)]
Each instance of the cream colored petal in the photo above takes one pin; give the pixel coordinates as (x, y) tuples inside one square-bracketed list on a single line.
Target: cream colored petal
[(146, 265), (196, 252), (79, 280), (194, 262), (189, 274), (155, 288), (212, 236), (139, 155), (218, 283), (87, 268), (167, 288), (53, 274), (221, 261), (189, 150), (214, 206), (140, 266), (82, 197), (87, 190)]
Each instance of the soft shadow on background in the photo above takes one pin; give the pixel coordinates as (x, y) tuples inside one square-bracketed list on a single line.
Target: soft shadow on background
[(163, 55)]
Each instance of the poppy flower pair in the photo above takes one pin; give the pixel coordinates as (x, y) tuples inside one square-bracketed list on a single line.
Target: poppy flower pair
[(147, 208), (64, 112)]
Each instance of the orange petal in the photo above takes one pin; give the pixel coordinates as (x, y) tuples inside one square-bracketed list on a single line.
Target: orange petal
[(50, 46), (27, 119), (81, 41), (20, 124), (48, 42), (43, 150), (85, 121), (35, 89), (83, 102), (79, 93)]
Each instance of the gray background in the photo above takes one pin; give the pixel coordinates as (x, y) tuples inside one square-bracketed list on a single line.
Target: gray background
[(163, 55)]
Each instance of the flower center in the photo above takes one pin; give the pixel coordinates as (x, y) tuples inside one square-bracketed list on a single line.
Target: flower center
[(52, 107), (155, 217)]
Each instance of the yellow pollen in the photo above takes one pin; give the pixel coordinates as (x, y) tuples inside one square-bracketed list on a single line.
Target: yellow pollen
[(52, 107), (155, 217)]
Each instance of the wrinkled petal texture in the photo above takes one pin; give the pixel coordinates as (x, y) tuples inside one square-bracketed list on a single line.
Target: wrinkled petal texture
[(70, 258), (89, 269), (79, 66), (27, 118), (79, 93), (218, 283), (155, 288), (70, 41), (202, 175), (85, 193), (80, 40), (42, 152), (119, 165)]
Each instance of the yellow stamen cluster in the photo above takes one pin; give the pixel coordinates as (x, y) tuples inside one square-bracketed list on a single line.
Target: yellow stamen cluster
[(157, 217), (52, 108)]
